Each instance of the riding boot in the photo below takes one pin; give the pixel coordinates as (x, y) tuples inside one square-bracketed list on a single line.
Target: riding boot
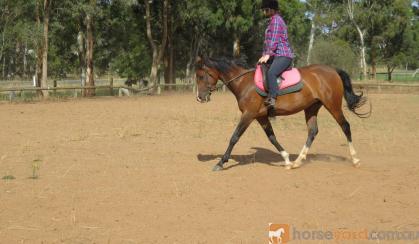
[(270, 105), (270, 102)]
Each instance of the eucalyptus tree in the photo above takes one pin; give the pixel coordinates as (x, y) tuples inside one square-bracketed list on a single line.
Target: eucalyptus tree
[(358, 18), (158, 47), (395, 42), (322, 15), (299, 21), (17, 38)]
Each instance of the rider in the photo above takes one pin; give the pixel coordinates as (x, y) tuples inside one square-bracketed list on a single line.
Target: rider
[(277, 51)]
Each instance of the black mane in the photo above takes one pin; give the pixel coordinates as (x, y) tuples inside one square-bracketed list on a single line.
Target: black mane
[(224, 64)]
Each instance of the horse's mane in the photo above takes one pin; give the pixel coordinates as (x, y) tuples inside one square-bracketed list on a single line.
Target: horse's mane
[(224, 64)]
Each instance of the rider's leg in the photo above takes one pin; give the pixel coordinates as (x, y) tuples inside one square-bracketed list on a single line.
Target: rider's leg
[(279, 65)]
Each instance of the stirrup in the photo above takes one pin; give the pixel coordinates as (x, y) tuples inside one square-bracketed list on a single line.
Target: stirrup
[(270, 102)]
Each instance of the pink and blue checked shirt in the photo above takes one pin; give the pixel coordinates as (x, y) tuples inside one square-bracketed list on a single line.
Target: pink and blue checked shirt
[(276, 38)]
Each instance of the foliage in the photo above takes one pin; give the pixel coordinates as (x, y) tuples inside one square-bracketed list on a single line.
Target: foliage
[(336, 53), (209, 27)]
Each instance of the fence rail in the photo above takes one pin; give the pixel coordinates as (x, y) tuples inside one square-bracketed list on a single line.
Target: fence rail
[(127, 90), (387, 87)]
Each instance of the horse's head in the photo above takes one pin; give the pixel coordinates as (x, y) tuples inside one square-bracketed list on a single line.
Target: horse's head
[(206, 80)]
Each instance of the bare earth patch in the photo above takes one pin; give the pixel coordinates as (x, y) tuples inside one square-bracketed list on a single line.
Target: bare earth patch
[(138, 170)]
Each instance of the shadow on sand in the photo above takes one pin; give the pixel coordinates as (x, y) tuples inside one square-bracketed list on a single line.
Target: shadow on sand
[(266, 156)]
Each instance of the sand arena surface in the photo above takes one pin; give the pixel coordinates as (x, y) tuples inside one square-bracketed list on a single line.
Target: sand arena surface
[(138, 170)]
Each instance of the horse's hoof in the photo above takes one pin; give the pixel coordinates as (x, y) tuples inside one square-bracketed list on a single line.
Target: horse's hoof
[(288, 166), (217, 168), (356, 162), (297, 165)]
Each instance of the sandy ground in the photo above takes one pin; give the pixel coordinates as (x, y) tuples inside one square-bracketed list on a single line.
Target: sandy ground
[(138, 170)]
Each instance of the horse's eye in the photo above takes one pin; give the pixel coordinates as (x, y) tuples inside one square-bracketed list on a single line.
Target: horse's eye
[(200, 77)]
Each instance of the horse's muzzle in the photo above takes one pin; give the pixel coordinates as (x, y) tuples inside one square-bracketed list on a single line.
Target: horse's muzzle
[(204, 99)]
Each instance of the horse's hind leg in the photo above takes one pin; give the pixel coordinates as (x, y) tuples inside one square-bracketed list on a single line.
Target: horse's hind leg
[(344, 124), (267, 127), (311, 120)]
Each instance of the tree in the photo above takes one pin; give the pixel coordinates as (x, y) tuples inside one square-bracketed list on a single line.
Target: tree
[(17, 36), (298, 22), (90, 79), (336, 53), (44, 80), (238, 18), (394, 40), (158, 48), (353, 13)]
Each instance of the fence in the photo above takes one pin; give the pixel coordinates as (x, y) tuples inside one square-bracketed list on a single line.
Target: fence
[(387, 87), (120, 90)]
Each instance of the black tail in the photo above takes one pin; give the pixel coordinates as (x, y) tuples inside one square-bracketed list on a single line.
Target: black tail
[(354, 101)]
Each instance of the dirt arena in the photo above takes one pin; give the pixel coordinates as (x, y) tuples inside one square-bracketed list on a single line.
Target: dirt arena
[(138, 170)]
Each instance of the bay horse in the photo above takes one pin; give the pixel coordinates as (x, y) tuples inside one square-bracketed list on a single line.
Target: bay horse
[(323, 86)]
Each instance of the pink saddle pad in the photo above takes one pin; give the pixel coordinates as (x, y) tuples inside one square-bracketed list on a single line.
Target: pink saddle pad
[(291, 77)]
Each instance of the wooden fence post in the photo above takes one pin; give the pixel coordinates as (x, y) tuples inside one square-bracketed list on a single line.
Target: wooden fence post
[(55, 87), (111, 85), (158, 89)]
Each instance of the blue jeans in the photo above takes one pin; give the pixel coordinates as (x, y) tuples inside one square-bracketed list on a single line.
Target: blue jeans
[(278, 65)]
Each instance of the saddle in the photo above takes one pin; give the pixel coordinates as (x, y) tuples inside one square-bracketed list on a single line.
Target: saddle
[(288, 82)]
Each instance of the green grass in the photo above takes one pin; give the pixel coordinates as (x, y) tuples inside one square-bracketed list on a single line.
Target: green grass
[(35, 169), (8, 177)]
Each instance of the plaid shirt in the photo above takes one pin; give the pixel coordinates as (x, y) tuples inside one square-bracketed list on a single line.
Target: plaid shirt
[(276, 38)]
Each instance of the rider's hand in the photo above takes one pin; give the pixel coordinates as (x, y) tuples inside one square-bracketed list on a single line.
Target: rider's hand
[(264, 59)]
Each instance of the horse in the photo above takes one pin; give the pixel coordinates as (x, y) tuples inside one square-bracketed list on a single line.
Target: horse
[(277, 234), (323, 86)]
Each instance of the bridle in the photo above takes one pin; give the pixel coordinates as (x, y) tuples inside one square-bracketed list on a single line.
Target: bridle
[(226, 83)]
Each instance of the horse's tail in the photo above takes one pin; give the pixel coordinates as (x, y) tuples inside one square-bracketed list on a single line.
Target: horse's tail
[(354, 101)]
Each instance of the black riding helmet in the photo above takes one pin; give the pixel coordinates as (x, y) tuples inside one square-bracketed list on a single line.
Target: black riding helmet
[(271, 4)]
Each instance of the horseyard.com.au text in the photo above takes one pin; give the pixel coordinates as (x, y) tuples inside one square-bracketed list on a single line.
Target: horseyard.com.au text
[(364, 234)]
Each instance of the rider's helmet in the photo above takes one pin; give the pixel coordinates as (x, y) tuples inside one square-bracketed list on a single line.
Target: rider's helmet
[(271, 4)]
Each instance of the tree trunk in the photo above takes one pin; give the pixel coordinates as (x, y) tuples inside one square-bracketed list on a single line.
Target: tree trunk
[(363, 58), (39, 45), (158, 52), (4, 67), (311, 43), (25, 59), (82, 58), (390, 72), (172, 65), (363, 63), (2, 56), (236, 47), (44, 81), (192, 56), (169, 69), (89, 56), (373, 64)]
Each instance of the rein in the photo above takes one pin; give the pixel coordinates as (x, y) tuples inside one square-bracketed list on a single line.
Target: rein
[(227, 83), (239, 76)]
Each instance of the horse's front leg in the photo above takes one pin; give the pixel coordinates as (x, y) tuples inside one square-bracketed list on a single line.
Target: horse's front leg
[(245, 120), (267, 127)]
